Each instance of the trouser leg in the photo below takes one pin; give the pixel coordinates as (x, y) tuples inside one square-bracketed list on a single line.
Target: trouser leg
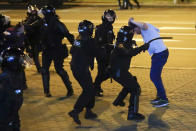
[(138, 5), (131, 85), (119, 3), (58, 63), (158, 61), (16, 123), (133, 109), (102, 75), (129, 4), (87, 97), (36, 58), (23, 77), (121, 96), (46, 62)]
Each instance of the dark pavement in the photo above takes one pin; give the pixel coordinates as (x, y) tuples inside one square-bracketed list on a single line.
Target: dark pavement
[(50, 114)]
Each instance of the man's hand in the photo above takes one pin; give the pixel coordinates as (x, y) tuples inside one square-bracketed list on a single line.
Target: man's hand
[(131, 19), (130, 22)]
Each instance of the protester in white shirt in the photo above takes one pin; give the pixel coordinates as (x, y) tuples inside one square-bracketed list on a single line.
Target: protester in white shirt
[(159, 55)]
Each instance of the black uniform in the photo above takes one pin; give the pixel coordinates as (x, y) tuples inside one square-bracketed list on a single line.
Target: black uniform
[(104, 37), (15, 39), (54, 50), (83, 52), (11, 96), (10, 100), (34, 28), (4, 24), (119, 67)]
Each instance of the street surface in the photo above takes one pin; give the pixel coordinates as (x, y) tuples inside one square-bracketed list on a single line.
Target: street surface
[(179, 77)]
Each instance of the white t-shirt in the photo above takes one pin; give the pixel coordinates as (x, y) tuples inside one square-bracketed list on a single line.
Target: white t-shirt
[(156, 46)]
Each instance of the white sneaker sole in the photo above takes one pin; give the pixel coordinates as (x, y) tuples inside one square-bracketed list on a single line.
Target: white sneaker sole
[(161, 105), (155, 102)]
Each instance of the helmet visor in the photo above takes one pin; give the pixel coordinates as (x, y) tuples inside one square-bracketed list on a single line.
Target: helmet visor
[(110, 18)]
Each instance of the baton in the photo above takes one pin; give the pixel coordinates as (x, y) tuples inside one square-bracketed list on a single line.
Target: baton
[(159, 38)]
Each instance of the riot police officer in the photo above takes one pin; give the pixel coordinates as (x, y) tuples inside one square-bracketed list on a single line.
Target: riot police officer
[(54, 50), (119, 68), (104, 37), (83, 52), (34, 27), (4, 24), (14, 36), (11, 84)]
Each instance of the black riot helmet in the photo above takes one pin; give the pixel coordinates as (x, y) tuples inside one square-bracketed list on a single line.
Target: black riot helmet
[(125, 35), (32, 10), (11, 59), (85, 28), (109, 16), (4, 21), (48, 10)]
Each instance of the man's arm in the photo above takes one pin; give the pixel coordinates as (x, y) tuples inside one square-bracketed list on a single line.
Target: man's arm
[(141, 25)]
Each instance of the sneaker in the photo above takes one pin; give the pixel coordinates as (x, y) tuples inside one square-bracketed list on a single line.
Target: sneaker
[(156, 100), (161, 103)]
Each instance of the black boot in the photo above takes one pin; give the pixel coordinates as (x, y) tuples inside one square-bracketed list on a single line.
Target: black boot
[(119, 103), (90, 115), (45, 79), (121, 96), (133, 109), (48, 95), (135, 117), (75, 115)]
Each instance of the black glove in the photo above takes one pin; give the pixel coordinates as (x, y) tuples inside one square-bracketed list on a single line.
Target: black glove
[(134, 43), (145, 47)]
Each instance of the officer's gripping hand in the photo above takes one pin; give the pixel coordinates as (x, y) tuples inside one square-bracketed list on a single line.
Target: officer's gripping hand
[(145, 47)]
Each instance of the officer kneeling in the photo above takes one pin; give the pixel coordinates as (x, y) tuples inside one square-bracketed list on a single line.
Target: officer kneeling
[(11, 83), (119, 69)]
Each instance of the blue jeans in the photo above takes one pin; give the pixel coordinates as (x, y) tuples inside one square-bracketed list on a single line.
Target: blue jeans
[(158, 61)]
